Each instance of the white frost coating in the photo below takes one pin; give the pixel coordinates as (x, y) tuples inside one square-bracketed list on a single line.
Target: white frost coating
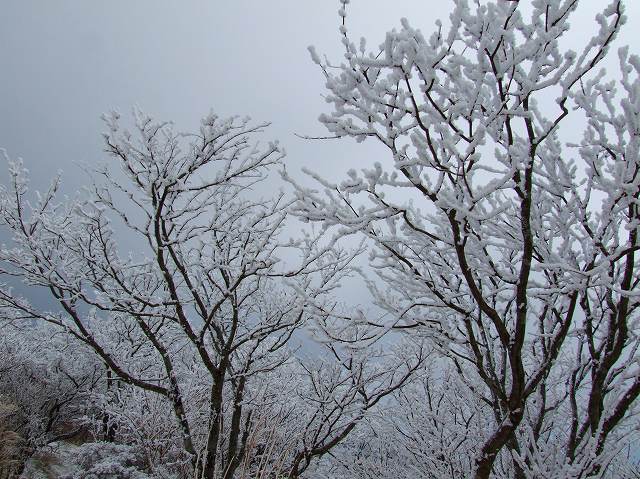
[(170, 275), (314, 54), (505, 247)]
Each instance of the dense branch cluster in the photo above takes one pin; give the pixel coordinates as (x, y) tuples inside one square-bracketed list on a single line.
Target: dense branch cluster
[(203, 316), (513, 253)]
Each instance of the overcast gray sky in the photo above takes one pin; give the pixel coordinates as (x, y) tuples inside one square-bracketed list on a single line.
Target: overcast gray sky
[(65, 62)]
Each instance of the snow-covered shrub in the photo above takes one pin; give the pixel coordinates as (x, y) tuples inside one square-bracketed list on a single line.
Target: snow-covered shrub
[(46, 381), (105, 460)]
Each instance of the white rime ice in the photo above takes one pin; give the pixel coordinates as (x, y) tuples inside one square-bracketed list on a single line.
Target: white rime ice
[(512, 251)]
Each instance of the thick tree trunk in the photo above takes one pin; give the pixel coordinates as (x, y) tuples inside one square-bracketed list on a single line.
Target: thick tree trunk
[(235, 449), (215, 426), (493, 446)]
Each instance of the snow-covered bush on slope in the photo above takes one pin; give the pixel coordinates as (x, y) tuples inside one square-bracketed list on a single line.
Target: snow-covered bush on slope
[(105, 460)]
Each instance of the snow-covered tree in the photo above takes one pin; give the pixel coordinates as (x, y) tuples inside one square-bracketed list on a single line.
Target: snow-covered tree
[(511, 248), (431, 430), (168, 268)]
